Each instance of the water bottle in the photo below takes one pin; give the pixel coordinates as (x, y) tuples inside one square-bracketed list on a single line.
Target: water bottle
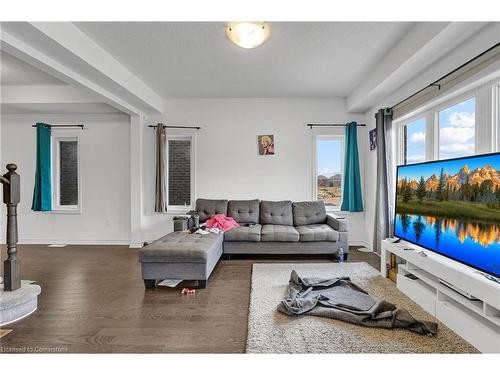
[(341, 255)]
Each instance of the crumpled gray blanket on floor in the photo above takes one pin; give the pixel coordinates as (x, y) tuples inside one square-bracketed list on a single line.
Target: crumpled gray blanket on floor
[(340, 298)]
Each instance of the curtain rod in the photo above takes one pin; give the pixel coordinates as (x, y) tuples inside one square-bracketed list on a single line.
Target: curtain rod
[(319, 125), (175, 127), (64, 126), (436, 84)]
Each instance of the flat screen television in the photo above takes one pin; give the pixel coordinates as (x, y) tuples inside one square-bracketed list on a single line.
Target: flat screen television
[(452, 207)]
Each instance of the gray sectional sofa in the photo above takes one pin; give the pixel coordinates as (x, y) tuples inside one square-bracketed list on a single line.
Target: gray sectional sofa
[(282, 227), (266, 227)]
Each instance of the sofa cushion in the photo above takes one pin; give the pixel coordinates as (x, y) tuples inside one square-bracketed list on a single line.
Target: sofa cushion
[(311, 212), (279, 213), (317, 232), (244, 211), (278, 233), (245, 234), (208, 207), (180, 247)]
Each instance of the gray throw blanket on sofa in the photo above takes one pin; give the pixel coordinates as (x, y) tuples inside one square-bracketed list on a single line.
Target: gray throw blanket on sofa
[(340, 298)]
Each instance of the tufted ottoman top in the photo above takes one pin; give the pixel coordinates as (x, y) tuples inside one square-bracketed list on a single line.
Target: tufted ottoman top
[(179, 247)]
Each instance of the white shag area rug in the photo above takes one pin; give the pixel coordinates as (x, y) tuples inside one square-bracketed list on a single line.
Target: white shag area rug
[(272, 332)]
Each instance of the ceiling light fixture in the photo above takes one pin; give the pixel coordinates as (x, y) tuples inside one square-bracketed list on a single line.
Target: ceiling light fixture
[(247, 34)]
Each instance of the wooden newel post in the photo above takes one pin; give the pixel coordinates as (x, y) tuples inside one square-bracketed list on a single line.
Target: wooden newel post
[(11, 197)]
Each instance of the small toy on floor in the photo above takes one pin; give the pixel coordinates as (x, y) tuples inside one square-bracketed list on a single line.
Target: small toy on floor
[(188, 291)]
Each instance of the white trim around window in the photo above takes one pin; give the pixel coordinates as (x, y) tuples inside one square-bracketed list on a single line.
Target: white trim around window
[(57, 208), (495, 116), (182, 135), (399, 126), (486, 138), (332, 133)]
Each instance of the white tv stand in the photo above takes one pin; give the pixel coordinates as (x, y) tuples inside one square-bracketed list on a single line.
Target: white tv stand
[(478, 322)]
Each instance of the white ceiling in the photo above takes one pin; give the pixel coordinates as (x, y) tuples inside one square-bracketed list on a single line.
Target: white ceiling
[(16, 72), (300, 59), (134, 66)]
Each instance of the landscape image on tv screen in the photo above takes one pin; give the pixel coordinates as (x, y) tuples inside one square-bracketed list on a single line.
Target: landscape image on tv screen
[(453, 208)]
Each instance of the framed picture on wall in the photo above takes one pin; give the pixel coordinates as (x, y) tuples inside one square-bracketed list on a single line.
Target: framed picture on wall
[(373, 139), (266, 144)]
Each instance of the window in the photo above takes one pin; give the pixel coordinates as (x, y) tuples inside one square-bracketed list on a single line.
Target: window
[(180, 170), (329, 164), (457, 123), (65, 170), (457, 130), (414, 141), (496, 115)]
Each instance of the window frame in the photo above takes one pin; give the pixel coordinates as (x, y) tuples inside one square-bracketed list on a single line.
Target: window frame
[(400, 136), (495, 113), (56, 138), (327, 134), (450, 103), (177, 134), (430, 111)]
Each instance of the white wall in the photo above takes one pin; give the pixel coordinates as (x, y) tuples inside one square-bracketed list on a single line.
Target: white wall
[(228, 165), (469, 49), (105, 174)]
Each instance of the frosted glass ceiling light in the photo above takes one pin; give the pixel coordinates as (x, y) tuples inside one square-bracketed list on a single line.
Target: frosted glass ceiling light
[(247, 34)]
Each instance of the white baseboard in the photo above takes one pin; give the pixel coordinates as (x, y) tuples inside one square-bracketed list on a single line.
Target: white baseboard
[(71, 241)]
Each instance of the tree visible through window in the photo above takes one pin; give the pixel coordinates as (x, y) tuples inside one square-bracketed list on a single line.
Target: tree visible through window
[(414, 141), (329, 156)]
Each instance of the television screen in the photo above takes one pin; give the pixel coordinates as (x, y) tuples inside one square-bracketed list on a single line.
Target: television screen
[(452, 207)]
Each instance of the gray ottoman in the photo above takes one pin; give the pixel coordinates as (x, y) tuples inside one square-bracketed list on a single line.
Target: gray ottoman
[(180, 255)]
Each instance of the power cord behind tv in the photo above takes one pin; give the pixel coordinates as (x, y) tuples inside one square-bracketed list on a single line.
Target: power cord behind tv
[(394, 240)]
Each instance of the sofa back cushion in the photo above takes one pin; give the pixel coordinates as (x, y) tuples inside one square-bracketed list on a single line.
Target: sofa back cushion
[(208, 207), (244, 211), (279, 213), (307, 213)]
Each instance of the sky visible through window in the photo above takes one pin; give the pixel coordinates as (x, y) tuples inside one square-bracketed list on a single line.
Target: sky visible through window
[(457, 130), (415, 143), (328, 157)]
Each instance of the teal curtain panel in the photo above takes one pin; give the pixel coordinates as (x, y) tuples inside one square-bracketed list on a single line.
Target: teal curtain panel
[(352, 200), (42, 194)]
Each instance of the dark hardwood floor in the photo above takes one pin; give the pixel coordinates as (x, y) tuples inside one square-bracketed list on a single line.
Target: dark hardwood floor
[(93, 301)]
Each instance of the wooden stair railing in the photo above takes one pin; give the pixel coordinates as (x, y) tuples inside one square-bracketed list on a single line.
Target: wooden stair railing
[(11, 197)]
